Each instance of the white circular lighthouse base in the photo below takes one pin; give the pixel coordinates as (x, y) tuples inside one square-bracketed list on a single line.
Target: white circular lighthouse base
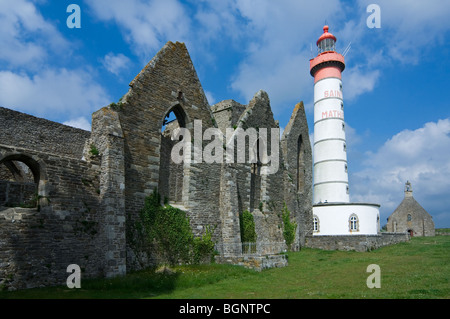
[(346, 219)]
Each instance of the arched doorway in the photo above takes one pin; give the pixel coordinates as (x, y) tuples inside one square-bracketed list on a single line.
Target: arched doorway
[(411, 232), (20, 178)]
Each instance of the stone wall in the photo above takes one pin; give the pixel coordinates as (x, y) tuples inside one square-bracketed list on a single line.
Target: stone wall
[(258, 191), (227, 114), (29, 132), (168, 83), (37, 244), (17, 193), (257, 263), (297, 165), (107, 136), (355, 242)]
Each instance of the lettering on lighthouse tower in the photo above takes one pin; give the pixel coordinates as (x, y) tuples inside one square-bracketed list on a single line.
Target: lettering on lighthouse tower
[(332, 93), (333, 114)]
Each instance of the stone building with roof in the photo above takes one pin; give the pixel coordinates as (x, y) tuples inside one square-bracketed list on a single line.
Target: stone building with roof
[(411, 217)]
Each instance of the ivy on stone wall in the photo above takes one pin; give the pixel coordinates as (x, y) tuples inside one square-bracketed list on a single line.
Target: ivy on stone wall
[(247, 224), (166, 232), (289, 227)]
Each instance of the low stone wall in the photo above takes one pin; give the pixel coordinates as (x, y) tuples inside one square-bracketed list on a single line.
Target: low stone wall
[(257, 263), (37, 246), (355, 242)]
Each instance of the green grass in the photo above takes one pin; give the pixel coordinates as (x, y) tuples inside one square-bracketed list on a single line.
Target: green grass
[(417, 269)]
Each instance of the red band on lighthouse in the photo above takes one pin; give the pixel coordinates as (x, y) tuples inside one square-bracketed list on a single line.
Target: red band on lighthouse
[(330, 72)]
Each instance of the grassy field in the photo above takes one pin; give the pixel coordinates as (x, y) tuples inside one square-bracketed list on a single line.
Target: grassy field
[(418, 269)]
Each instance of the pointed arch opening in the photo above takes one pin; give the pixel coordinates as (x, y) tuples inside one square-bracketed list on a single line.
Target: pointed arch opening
[(171, 174), (259, 156), (300, 165)]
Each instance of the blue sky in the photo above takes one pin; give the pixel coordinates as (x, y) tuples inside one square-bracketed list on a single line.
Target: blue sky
[(395, 81)]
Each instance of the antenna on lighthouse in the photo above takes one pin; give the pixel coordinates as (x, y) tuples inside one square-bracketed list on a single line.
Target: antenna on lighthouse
[(347, 49)]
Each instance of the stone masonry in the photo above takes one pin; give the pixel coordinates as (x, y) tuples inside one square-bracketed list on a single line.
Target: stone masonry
[(67, 195)]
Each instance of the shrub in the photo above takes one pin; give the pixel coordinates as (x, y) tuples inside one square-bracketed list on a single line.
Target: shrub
[(204, 247), (247, 225), (167, 231), (289, 227), (94, 151)]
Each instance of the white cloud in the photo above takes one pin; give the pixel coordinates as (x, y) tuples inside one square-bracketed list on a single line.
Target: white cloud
[(115, 63), (421, 156), (80, 122), (281, 80), (351, 136), (411, 28), (146, 25), (358, 81), (51, 93), (218, 18), (30, 79), (26, 36), (210, 97)]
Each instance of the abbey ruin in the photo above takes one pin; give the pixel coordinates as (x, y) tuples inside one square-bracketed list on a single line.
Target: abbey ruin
[(66, 195), (69, 196)]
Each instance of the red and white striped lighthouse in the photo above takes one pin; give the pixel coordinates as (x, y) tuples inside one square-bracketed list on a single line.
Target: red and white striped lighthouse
[(333, 213), (330, 148)]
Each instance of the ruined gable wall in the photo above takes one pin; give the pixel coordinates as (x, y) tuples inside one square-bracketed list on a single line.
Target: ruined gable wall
[(168, 81), (151, 96), (298, 198), (256, 191)]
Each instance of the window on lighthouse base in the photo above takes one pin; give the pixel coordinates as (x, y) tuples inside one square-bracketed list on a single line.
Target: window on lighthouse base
[(353, 223), (316, 224)]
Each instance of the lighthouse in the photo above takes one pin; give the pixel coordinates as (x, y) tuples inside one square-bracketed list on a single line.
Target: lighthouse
[(330, 147), (333, 212)]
